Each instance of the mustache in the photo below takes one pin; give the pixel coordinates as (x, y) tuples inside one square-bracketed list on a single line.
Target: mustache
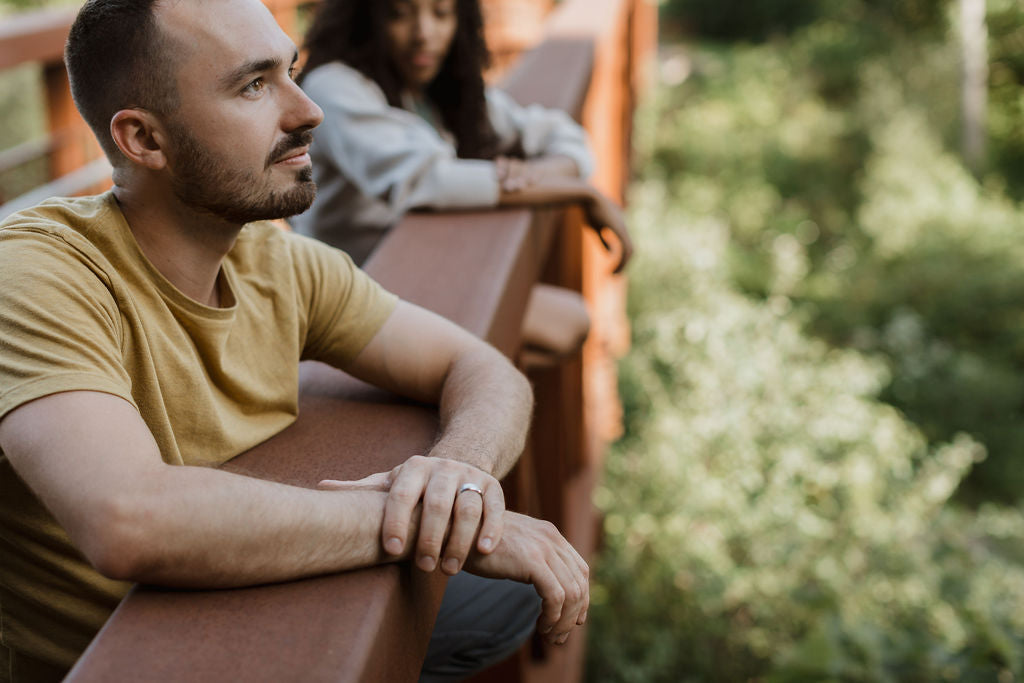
[(292, 142)]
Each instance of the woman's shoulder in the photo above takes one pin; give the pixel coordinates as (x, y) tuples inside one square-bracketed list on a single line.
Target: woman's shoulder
[(337, 79), (499, 99)]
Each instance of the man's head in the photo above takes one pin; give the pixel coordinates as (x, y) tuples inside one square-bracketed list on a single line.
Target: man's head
[(204, 105)]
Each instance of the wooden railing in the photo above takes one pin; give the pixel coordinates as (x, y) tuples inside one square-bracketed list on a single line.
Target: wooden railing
[(476, 269)]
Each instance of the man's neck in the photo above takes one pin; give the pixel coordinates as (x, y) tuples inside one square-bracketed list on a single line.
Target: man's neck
[(186, 246)]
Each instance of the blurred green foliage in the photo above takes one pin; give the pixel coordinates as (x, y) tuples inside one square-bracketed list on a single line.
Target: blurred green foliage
[(818, 480), (23, 117), (23, 5), (767, 517), (831, 156), (757, 20), (1006, 81)]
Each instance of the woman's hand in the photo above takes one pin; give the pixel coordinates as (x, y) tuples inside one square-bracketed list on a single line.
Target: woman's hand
[(516, 175), (602, 212)]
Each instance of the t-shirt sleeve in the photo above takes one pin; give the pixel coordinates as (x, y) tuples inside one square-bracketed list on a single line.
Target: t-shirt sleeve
[(539, 131), (60, 329), (345, 306), (390, 153)]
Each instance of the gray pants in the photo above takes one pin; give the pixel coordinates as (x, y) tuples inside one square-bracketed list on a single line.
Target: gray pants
[(481, 622)]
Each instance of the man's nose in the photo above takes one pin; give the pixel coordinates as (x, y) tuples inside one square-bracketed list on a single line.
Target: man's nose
[(302, 112)]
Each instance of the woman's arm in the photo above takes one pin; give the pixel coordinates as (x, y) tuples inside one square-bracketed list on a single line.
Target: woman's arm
[(547, 138), (389, 154), (601, 212), (517, 174)]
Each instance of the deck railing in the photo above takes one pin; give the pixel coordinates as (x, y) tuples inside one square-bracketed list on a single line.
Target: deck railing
[(474, 268)]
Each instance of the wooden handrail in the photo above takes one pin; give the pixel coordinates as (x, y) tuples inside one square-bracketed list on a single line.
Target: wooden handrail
[(34, 36)]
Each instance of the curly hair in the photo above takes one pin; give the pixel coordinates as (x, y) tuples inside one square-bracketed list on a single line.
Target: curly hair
[(353, 32)]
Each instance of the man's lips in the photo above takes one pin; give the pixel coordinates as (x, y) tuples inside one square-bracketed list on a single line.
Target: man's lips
[(295, 157)]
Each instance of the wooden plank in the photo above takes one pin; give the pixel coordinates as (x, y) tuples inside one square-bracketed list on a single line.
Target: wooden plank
[(73, 183), (34, 37), (39, 35), (23, 153), (319, 629), (555, 74)]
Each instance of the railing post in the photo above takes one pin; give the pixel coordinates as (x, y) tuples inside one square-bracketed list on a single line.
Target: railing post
[(512, 26), (284, 13), (65, 125)]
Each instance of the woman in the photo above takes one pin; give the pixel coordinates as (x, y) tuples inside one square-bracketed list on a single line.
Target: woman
[(408, 123)]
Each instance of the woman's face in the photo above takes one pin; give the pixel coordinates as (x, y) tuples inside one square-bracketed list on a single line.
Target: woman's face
[(419, 34)]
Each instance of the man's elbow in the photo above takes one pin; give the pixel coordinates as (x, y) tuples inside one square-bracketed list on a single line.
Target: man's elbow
[(116, 539)]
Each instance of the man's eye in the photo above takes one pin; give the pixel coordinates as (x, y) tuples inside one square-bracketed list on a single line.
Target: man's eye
[(292, 72), (255, 87)]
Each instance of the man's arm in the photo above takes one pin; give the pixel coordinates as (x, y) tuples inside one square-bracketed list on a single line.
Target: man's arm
[(485, 406), (93, 462)]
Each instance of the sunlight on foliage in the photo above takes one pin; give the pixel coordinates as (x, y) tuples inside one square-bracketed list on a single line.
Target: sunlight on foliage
[(766, 514), (827, 344)]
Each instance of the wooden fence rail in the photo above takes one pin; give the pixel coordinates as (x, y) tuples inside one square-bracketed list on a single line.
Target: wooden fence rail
[(474, 268)]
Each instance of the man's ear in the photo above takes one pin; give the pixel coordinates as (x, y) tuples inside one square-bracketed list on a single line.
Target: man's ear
[(140, 136)]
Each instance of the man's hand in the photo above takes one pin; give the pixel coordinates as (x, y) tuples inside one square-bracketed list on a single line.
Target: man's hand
[(532, 551), (602, 213), (437, 482)]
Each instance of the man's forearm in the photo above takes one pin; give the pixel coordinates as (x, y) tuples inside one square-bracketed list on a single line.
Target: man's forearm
[(202, 528), (485, 412)]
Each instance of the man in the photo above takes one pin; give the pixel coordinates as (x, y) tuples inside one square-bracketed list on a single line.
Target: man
[(154, 332)]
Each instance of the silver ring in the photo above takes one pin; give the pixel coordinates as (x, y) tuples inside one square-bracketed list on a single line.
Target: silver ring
[(470, 487)]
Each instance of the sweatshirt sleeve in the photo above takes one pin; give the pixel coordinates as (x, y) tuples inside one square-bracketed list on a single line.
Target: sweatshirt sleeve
[(389, 153), (539, 131)]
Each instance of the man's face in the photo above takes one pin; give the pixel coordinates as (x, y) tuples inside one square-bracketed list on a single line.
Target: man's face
[(238, 142)]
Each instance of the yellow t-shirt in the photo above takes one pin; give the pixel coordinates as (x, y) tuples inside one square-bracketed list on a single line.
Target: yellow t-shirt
[(81, 308)]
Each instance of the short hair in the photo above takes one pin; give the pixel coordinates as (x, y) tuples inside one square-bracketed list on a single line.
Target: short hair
[(118, 58)]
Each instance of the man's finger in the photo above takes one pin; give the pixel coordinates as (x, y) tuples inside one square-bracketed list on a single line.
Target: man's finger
[(575, 597), (552, 598), (466, 519), (438, 501), (404, 495), (494, 519), (381, 481), (580, 571)]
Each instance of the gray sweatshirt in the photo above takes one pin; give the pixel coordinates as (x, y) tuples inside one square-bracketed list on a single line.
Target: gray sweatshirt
[(373, 162)]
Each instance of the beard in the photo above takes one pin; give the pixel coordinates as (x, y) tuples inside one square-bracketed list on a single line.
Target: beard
[(205, 183)]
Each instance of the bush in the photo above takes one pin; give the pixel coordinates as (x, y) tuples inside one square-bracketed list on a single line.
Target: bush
[(757, 20), (842, 348), (740, 19), (766, 516), (839, 191)]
